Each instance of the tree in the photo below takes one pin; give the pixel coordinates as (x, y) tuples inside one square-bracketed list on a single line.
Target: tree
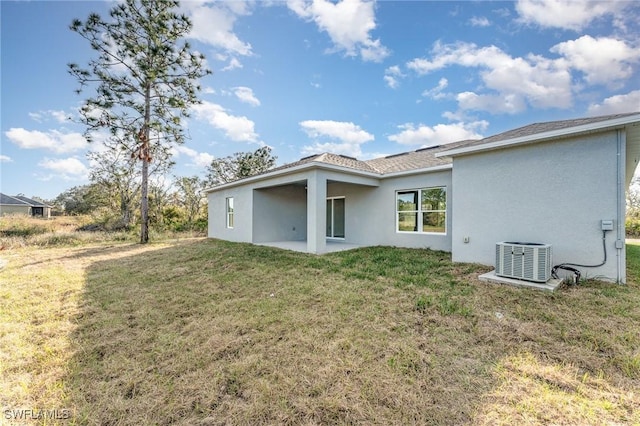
[(159, 199), (79, 200), (190, 197), (145, 79), (240, 165), (116, 174)]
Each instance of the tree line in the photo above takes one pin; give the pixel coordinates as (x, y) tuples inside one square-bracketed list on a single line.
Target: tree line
[(175, 203)]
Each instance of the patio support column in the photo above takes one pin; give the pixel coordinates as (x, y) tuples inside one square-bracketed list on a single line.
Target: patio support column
[(316, 212)]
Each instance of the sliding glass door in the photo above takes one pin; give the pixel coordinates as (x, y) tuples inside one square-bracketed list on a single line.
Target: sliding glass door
[(335, 217)]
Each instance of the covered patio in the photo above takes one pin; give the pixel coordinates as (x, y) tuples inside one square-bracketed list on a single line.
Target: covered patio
[(301, 213)]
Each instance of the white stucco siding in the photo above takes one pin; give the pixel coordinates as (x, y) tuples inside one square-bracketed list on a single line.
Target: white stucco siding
[(360, 221), (370, 212), (243, 208), (553, 192), (280, 213), (386, 208)]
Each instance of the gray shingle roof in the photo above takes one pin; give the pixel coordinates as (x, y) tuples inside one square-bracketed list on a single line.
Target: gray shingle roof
[(30, 201), (327, 158), (549, 126), (426, 157), (413, 160), (19, 200), (11, 201)]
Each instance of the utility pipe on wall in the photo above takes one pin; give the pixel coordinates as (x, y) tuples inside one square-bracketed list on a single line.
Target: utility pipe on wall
[(621, 209)]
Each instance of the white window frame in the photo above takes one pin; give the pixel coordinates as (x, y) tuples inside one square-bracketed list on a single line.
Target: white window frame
[(229, 212), (419, 212)]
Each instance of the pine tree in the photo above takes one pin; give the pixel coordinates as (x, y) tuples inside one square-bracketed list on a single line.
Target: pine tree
[(145, 78)]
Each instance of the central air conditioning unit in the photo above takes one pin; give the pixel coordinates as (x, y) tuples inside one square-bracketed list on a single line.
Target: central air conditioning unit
[(524, 261)]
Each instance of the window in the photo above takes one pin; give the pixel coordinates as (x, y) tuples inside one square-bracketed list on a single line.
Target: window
[(422, 210), (230, 212)]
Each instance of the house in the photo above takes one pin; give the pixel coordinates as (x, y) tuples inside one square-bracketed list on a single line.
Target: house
[(552, 183), (21, 205)]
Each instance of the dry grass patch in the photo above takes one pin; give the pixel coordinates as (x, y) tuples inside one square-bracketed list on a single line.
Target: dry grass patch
[(209, 332)]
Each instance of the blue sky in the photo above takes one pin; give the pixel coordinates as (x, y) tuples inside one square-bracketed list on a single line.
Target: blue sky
[(355, 77)]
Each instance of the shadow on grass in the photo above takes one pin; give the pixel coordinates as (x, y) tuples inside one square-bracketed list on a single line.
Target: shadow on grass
[(210, 332)]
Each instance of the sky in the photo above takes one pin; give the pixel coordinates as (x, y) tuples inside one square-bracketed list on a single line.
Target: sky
[(354, 77)]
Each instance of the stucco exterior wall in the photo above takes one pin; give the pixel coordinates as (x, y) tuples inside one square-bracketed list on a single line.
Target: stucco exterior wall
[(243, 208), (280, 214), (7, 210), (264, 212), (371, 211), (553, 192)]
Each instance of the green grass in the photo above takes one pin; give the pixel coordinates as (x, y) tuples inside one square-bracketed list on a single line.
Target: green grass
[(204, 332)]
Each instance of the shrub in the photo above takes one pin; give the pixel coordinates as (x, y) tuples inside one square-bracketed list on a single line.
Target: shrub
[(632, 227)]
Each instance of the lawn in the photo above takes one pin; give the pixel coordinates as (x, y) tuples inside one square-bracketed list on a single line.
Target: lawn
[(206, 332)]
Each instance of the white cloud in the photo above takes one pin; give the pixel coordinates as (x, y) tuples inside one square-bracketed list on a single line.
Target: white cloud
[(602, 60), (200, 159), (344, 131), (349, 137), (566, 14), (436, 92), (236, 128), (59, 116), (542, 82), (439, 134), (391, 81), (52, 140), (42, 116), (65, 168), (508, 103), (245, 94), (213, 25), (5, 159), (348, 23), (234, 63), (392, 76), (352, 150), (629, 102), (479, 21)]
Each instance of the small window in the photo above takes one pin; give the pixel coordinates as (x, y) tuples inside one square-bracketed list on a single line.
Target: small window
[(230, 212), (422, 210)]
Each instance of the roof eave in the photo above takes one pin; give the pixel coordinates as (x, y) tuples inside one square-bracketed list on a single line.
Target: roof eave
[(292, 170), (544, 136)]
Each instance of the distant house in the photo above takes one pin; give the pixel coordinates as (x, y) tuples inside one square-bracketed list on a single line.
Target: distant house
[(560, 183), (21, 205)]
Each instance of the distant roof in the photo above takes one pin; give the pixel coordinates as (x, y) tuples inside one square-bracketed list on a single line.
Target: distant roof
[(32, 202), (11, 201), (20, 200)]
